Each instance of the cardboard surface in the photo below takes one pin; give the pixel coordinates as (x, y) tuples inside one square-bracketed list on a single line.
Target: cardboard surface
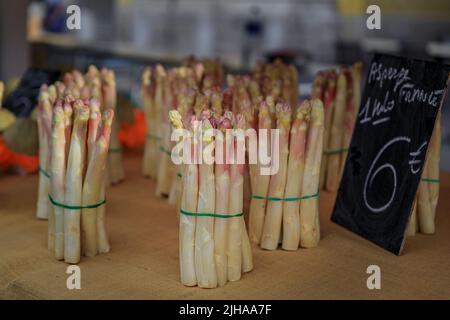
[(143, 263)]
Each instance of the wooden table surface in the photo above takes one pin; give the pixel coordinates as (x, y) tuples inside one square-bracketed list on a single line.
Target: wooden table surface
[(143, 262)]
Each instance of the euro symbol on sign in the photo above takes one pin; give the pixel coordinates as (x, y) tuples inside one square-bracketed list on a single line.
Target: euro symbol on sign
[(414, 163)]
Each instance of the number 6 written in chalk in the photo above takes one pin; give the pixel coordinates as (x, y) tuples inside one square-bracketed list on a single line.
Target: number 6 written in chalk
[(375, 170)]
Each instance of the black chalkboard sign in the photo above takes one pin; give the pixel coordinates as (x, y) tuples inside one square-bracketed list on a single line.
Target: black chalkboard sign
[(24, 98), (396, 118)]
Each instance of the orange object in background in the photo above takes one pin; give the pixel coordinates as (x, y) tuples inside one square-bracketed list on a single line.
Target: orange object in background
[(9, 159), (133, 135)]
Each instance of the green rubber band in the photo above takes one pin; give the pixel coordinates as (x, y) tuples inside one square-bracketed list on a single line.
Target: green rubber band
[(151, 136), (286, 199), (66, 206), (334, 151), (45, 173), (430, 180), (165, 151), (224, 216), (115, 150)]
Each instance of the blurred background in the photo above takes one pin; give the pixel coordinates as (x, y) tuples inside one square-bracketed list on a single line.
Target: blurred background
[(127, 35)]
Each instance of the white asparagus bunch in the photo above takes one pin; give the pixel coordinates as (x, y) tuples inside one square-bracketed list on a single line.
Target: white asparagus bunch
[(79, 151), (214, 244)]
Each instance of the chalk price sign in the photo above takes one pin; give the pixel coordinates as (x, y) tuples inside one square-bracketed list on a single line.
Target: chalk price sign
[(401, 100)]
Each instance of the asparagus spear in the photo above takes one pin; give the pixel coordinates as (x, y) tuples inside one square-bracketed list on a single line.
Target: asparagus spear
[(272, 222), (146, 98), (189, 200), (57, 171), (103, 245), (336, 134), (235, 206), (291, 219), (205, 266), (258, 206), (309, 208), (43, 121), (74, 181), (329, 102), (115, 166), (222, 178)]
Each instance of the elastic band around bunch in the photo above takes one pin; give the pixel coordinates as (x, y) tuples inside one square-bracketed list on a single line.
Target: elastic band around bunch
[(153, 137), (287, 199), (430, 180), (214, 215), (66, 206), (45, 173), (334, 151), (165, 151), (115, 150)]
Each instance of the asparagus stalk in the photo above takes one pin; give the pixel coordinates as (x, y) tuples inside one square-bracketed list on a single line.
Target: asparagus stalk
[(235, 206), (115, 166), (309, 208), (329, 102), (291, 218), (258, 206), (349, 121), (336, 134), (57, 171), (222, 178), (74, 182), (146, 98), (44, 123), (189, 201), (412, 224), (205, 266), (103, 245), (272, 222)]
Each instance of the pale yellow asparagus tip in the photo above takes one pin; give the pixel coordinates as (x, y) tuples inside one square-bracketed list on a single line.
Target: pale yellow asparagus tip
[(304, 111), (175, 119), (93, 71), (94, 105), (317, 112), (146, 76)]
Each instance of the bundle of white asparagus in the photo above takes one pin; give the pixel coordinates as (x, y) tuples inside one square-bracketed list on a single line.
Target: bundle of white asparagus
[(165, 90), (214, 244), (284, 206), (100, 85), (340, 91), (424, 209), (75, 123)]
